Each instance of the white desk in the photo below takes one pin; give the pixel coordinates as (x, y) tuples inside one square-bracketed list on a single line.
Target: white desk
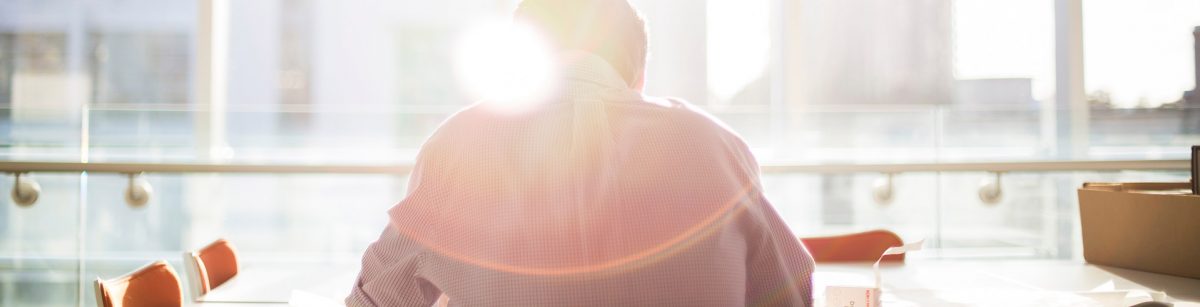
[(916, 283), (999, 282), (274, 286)]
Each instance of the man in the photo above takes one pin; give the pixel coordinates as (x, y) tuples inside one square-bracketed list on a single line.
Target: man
[(599, 196)]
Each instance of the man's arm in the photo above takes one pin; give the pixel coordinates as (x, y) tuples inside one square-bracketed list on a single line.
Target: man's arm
[(778, 268), (389, 275), (390, 266)]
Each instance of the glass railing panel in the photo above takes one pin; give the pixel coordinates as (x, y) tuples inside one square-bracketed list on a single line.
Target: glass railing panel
[(380, 135), (151, 134), (847, 136), (300, 220), (1166, 132), (959, 133), (39, 244), (272, 136), (302, 217), (392, 135), (1036, 215), (40, 134), (997, 133), (329, 218), (830, 204), (1020, 222)]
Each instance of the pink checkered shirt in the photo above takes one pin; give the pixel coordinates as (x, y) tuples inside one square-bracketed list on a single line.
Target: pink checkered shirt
[(601, 197)]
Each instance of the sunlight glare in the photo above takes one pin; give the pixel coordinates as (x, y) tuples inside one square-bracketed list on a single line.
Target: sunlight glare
[(507, 65)]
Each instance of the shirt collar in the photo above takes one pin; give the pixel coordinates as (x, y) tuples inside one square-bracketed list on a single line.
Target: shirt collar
[(588, 76)]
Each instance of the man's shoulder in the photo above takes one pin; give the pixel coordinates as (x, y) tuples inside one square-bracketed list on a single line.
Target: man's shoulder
[(473, 117), (681, 114), (657, 115)]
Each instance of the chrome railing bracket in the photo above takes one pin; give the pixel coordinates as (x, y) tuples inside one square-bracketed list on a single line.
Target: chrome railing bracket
[(25, 191)]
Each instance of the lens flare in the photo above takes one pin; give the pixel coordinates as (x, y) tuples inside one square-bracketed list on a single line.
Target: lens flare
[(412, 227), (509, 66)]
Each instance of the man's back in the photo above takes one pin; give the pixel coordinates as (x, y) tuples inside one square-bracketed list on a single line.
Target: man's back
[(598, 197)]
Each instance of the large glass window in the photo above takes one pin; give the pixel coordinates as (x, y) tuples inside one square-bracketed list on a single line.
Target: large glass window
[(364, 82), (1139, 61), (1139, 54)]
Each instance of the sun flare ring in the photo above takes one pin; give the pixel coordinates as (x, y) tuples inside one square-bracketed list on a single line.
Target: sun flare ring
[(729, 210)]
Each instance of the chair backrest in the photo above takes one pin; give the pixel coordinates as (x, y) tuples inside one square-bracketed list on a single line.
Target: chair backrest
[(153, 285), (856, 247), (211, 266), (193, 268)]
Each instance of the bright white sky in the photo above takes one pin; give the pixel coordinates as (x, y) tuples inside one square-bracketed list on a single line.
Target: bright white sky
[(737, 29), (1136, 50), (1006, 39), (1140, 49)]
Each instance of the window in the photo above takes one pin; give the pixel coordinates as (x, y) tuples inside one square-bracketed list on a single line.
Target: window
[(363, 82)]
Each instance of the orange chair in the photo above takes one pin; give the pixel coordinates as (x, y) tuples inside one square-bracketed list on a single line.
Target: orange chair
[(154, 285), (211, 266), (855, 247)]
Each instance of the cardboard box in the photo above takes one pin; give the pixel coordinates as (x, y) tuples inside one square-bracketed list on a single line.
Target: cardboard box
[(1153, 227), (1196, 170)]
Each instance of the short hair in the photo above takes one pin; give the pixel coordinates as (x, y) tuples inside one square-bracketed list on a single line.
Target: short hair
[(610, 29)]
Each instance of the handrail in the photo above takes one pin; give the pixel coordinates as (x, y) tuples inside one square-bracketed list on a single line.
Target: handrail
[(134, 168), (777, 167), (1002, 167)]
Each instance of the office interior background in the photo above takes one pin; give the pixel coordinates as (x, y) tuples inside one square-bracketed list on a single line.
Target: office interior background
[(969, 123)]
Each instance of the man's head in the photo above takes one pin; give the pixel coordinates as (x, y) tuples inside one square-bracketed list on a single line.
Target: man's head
[(610, 29)]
